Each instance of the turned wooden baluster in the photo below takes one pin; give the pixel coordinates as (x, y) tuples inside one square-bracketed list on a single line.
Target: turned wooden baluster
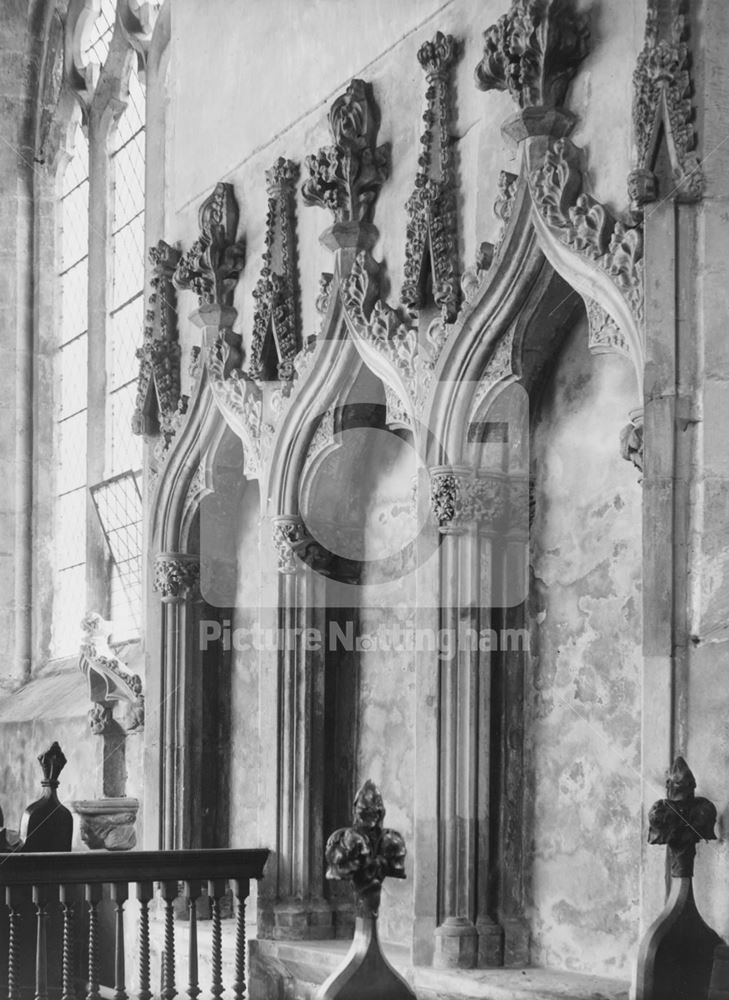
[(119, 895), (169, 895), (67, 896), (145, 891), (193, 889), (92, 891), (40, 898), (216, 890), (13, 899), (240, 887)]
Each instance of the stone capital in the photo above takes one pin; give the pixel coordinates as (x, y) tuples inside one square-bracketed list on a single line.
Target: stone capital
[(175, 575)]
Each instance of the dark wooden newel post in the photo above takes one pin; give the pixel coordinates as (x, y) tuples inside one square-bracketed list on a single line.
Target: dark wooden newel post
[(676, 954), (366, 853)]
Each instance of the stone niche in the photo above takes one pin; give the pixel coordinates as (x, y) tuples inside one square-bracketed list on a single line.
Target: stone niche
[(583, 701)]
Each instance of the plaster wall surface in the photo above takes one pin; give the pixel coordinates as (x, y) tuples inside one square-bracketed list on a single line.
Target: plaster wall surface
[(584, 692), (245, 752), (386, 665)]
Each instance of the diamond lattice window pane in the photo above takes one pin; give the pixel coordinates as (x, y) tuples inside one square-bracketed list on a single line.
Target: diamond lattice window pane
[(74, 301), (73, 358), (71, 453), (133, 118), (74, 234), (126, 448), (128, 251), (69, 607), (70, 538), (119, 506), (126, 337), (129, 181), (77, 168), (99, 36)]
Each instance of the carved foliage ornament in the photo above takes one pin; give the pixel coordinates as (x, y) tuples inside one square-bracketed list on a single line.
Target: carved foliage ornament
[(346, 177), (159, 355), (494, 503), (392, 331), (276, 337), (584, 224), (533, 52), (431, 208), (662, 108), (175, 576)]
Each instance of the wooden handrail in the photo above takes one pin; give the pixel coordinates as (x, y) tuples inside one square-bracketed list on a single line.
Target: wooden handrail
[(46, 879), (53, 868)]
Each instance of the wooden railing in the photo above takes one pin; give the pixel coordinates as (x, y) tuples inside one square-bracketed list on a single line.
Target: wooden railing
[(50, 897)]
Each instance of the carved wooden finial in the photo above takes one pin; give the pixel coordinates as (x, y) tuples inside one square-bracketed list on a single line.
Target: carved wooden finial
[(681, 820), (46, 824), (677, 951), (52, 762), (365, 852), (534, 51)]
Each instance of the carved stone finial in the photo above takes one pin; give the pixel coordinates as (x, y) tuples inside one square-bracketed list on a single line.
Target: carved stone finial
[(109, 680), (431, 208), (52, 763), (681, 820), (662, 109), (175, 576), (347, 176), (366, 853), (210, 268), (158, 384), (534, 51), (276, 338)]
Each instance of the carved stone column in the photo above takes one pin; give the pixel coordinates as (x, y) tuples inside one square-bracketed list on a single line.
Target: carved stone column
[(300, 910), (176, 576), (456, 937), (483, 521)]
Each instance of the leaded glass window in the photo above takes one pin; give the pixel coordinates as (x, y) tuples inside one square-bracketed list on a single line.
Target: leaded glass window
[(70, 371), (124, 332)]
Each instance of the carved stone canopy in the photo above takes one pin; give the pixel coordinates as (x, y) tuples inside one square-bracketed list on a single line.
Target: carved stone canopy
[(534, 51)]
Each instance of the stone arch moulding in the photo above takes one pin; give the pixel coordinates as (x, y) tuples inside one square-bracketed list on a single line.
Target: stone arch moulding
[(187, 474), (600, 256)]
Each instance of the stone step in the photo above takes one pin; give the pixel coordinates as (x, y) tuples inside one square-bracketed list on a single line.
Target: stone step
[(294, 970)]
